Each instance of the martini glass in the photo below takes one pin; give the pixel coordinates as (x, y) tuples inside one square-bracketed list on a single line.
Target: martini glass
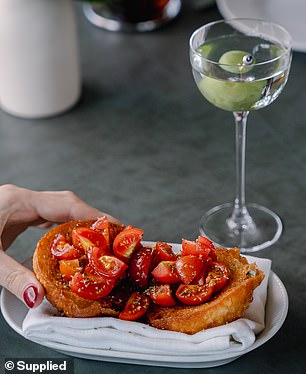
[(240, 65)]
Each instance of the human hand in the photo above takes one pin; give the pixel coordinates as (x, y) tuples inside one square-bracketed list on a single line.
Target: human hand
[(21, 208)]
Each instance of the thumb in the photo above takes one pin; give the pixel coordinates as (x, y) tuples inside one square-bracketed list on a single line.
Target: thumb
[(20, 281)]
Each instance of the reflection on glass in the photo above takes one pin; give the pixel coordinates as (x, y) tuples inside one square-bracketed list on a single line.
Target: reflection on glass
[(136, 15)]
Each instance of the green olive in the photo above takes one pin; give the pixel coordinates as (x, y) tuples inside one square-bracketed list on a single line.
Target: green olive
[(237, 61), (232, 96)]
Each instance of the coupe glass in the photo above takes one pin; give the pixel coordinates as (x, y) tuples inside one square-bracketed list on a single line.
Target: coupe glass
[(241, 65)]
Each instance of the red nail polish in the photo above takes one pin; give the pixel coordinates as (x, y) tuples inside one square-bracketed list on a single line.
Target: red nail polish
[(30, 295)]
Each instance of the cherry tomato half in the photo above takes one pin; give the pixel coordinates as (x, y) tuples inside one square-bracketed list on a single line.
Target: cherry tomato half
[(88, 269), (200, 279), (85, 238), (189, 247), (105, 264), (207, 247), (191, 294), (126, 242), (63, 250), (69, 267), (205, 242), (218, 275), (140, 266), (189, 267), (91, 286), (165, 272), (136, 307), (202, 247), (101, 225), (164, 252), (161, 294)]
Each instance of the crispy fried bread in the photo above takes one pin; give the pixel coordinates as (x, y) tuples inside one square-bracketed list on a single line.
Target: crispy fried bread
[(46, 269), (228, 305)]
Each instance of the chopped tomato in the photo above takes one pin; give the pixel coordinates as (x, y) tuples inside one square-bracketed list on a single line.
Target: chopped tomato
[(162, 295), (188, 247), (85, 238), (101, 225), (189, 267), (164, 252), (96, 252), (63, 250), (200, 279), (165, 272), (69, 267), (202, 247), (207, 247), (136, 307), (126, 242), (91, 286), (205, 242), (191, 294), (106, 265), (89, 270), (212, 255), (140, 266), (218, 275)]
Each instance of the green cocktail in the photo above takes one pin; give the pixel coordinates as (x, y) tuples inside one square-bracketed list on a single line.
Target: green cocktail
[(241, 65), (232, 84)]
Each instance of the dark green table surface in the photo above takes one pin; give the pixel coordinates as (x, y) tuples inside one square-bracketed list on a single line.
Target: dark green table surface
[(144, 145)]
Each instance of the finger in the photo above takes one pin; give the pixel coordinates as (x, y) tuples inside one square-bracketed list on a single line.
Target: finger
[(62, 206), (20, 281), (36, 207)]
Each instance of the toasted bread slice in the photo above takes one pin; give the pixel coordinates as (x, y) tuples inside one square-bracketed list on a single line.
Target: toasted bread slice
[(58, 292), (228, 305)]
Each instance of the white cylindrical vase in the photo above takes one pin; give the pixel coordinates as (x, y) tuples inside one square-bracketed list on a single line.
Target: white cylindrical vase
[(39, 57)]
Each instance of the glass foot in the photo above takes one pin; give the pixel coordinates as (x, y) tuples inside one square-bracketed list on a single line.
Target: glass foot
[(264, 229)]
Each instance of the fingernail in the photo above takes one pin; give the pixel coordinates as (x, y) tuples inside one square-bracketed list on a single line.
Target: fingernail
[(30, 296)]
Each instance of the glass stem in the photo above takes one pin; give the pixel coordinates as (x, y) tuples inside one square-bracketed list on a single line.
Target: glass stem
[(240, 219)]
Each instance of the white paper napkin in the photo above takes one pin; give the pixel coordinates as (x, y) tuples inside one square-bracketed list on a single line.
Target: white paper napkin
[(44, 325)]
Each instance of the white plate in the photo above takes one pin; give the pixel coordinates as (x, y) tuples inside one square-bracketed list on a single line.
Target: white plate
[(14, 312), (290, 14)]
